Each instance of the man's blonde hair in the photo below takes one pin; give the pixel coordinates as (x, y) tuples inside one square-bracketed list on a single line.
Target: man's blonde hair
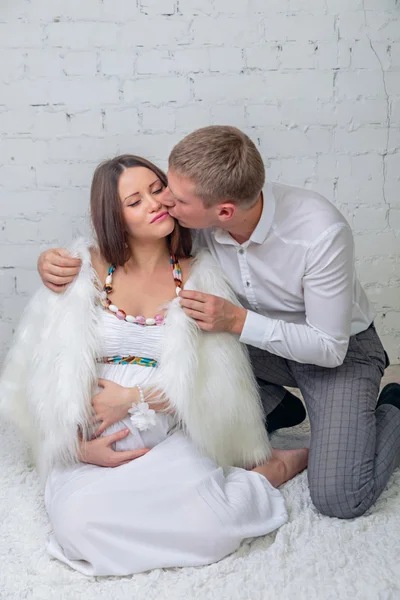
[(223, 163)]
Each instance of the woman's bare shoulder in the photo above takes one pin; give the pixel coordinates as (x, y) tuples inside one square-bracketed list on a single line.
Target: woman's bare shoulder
[(186, 266)]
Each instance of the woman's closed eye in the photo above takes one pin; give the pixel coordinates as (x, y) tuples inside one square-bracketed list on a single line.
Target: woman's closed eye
[(154, 192), (135, 203)]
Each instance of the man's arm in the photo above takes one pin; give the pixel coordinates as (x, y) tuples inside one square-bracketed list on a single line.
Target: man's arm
[(328, 289), (57, 268)]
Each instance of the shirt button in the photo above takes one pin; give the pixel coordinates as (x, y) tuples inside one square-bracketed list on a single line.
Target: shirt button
[(241, 251)]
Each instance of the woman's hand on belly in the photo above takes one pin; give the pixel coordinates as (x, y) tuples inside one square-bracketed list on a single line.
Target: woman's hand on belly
[(112, 403), (99, 451)]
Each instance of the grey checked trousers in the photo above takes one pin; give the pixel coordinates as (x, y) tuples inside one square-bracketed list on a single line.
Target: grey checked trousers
[(354, 448)]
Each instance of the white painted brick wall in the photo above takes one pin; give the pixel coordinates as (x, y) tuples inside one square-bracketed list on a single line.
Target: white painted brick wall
[(316, 83)]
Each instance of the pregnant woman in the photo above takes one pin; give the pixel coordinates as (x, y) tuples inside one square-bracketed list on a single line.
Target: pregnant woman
[(167, 463)]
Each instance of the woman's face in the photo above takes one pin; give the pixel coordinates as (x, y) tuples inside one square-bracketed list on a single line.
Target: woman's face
[(140, 190)]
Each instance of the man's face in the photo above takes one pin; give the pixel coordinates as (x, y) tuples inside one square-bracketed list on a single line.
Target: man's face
[(183, 204)]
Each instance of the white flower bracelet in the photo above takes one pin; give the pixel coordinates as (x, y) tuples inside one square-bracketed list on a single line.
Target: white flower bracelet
[(142, 416)]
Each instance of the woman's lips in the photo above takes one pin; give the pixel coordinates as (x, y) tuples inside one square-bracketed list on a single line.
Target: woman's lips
[(160, 217)]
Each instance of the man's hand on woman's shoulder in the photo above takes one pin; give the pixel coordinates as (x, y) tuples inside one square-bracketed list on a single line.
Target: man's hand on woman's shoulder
[(213, 313), (57, 268)]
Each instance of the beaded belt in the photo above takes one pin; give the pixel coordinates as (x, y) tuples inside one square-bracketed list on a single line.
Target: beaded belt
[(129, 360)]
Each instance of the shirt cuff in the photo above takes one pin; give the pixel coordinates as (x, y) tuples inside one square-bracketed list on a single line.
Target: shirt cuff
[(257, 330)]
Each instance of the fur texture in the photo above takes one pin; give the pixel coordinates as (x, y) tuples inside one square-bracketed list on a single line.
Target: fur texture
[(212, 387), (50, 373)]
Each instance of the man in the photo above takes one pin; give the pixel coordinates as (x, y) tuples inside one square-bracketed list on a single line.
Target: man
[(289, 255)]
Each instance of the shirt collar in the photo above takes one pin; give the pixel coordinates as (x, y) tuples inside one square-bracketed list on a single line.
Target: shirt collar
[(263, 226)]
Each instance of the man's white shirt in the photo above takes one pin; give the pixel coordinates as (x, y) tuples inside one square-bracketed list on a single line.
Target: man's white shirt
[(296, 277)]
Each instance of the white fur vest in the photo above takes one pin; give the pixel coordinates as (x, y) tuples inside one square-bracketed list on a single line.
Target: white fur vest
[(50, 373)]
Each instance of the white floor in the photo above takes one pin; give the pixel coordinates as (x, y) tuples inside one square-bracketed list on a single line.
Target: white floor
[(311, 557)]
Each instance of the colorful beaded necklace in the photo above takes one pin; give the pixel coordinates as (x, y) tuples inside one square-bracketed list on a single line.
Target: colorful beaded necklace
[(139, 320)]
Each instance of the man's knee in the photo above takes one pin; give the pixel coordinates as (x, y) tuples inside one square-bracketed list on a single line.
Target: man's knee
[(332, 499)]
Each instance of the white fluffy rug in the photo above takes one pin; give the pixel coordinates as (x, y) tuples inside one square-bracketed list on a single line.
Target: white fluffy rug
[(311, 557)]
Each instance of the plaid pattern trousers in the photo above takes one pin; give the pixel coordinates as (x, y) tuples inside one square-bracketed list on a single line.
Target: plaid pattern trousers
[(354, 446)]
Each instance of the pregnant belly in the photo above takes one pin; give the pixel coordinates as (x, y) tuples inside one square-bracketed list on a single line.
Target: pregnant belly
[(142, 439)]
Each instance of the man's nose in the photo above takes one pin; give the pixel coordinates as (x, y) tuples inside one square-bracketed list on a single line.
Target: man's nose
[(167, 198)]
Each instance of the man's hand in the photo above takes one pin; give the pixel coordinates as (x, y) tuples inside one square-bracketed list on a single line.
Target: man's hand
[(57, 268), (99, 452), (213, 313)]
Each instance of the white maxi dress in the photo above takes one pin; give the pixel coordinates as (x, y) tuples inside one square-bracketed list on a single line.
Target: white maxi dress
[(172, 507)]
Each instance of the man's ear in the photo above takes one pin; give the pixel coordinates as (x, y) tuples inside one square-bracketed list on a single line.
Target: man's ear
[(225, 211)]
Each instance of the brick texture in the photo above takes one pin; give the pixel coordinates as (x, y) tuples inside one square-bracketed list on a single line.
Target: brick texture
[(316, 84)]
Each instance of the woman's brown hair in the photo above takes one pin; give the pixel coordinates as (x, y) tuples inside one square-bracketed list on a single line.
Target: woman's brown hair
[(106, 211)]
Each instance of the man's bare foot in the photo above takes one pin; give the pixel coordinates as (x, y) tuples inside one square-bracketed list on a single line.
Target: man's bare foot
[(284, 465)]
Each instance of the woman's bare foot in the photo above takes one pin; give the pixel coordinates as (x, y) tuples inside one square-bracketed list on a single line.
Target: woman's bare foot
[(284, 465)]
